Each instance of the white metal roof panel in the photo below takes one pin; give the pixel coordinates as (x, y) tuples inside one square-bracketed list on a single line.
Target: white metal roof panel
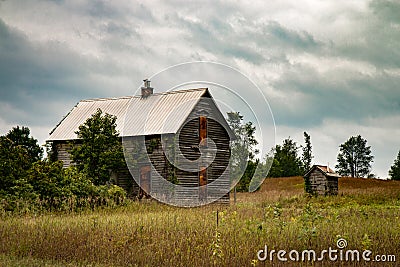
[(157, 114)]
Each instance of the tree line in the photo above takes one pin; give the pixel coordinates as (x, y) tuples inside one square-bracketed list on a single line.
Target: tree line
[(28, 179), (290, 159)]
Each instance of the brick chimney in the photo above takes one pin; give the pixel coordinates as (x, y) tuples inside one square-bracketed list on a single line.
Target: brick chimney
[(146, 89)]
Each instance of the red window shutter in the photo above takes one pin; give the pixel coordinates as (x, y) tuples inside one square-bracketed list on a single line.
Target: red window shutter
[(203, 176), (202, 130), (203, 170), (145, 178)]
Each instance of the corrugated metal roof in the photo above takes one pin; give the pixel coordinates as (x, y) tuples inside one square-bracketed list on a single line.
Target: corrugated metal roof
[(325, 169), (145, 116)]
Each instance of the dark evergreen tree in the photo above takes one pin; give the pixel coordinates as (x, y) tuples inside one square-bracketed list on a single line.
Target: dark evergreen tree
[(20, 136), (14, 163), (354, 158), (394, 172), (18, 152), (307, 152), (286, 161)]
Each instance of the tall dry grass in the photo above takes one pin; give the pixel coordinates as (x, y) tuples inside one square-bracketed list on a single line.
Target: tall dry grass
[(366, 214)]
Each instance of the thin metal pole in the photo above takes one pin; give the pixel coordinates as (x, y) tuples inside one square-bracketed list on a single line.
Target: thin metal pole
[(234, 195)]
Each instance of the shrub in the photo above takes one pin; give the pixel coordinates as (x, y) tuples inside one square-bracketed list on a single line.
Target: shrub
[(110, 195)]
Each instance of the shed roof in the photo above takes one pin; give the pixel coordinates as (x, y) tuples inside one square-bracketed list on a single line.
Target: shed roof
[(147, 115), (324, 169)]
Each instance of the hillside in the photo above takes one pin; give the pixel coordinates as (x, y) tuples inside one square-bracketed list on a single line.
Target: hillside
[(278, 188)]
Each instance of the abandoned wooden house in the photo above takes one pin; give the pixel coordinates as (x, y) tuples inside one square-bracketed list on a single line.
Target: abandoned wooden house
[(321, 180), (189, 117)]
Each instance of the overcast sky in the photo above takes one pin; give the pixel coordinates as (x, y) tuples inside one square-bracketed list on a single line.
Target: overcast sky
[(331, 68)]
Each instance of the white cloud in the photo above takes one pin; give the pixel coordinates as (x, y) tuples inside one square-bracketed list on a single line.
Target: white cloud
[(381, 135)]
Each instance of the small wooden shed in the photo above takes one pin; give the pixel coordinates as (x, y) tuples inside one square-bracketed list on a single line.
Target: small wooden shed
[(321, 180), (189, 116)]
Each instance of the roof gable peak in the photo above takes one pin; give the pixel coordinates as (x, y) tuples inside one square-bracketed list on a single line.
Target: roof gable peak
[(139, 96)]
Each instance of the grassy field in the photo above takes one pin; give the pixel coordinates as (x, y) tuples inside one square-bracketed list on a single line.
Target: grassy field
[(365, 213)]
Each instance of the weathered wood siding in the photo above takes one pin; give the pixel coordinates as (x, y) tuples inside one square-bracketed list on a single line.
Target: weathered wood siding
[(159, 162), (189, 146), (189, 141), (333, 185), (63, 153), (121, 177), (124, 179), (322, 184)]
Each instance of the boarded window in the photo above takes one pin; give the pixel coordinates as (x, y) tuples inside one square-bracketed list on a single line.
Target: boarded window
[(145, 180), (203, 169), (202, 130), (203, 183)]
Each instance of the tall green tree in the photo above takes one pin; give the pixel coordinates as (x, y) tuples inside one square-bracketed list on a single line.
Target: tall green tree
[(20, 136), (243, 150), (245, 133), (394, 172), (99, 150), (307, 152), (18, 152), (354, 158), (286, 161), (14, 163), (46, 179)]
